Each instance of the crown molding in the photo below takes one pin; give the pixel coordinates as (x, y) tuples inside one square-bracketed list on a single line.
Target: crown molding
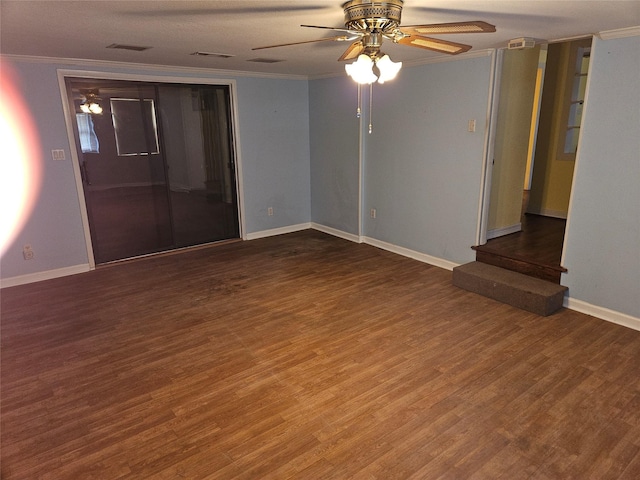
[(619, 33), (63, 62)]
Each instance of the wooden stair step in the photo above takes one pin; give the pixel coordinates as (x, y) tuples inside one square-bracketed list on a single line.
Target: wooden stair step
[(513, 288), (528, 266)]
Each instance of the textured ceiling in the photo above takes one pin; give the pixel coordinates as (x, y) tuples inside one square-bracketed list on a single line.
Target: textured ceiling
[(175, 29)]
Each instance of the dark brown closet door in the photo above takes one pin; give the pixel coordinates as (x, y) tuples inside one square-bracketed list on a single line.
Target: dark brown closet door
[(123, 169), (157, 163)]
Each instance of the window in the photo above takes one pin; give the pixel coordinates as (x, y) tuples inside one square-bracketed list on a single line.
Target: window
[(577, 81), (88, 138), (134, 122)]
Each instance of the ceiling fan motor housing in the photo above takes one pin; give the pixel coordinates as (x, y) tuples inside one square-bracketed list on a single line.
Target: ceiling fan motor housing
[(372, 16)]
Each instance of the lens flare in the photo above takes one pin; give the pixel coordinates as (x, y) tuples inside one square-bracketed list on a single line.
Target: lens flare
[(20, 171)]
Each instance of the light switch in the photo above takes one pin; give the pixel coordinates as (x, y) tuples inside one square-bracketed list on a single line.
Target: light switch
[(58, 154)]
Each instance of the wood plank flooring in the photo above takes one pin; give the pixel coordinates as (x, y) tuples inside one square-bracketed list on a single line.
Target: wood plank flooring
[(539, 241), (310, 357)]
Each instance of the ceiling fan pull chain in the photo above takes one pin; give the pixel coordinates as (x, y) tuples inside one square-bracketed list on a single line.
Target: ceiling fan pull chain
[(359, 110), (370, 107)]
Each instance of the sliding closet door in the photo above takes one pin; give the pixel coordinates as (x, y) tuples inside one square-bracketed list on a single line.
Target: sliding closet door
[(123, 169), (157, 163), (196, 126)]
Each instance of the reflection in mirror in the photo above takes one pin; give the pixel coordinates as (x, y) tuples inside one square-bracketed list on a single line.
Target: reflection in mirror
[(87, 135), (131, 122)]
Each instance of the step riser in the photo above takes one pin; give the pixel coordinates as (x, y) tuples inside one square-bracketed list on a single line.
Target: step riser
[(520, 266), (516, 289)]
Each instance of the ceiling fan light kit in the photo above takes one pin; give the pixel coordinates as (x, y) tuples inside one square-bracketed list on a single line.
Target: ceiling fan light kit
[(375, 20), (372, 21), (388, 69), (362, 69), (90, 103)]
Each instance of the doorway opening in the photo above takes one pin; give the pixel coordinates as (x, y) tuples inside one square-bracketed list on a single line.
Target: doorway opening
[(157, 163), (540, 103)]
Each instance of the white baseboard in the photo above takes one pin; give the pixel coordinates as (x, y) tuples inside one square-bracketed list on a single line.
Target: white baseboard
[(405, 252), (277, 231), (47, 275), (336, 233), (499, 232), (545, 212), (602, 313)]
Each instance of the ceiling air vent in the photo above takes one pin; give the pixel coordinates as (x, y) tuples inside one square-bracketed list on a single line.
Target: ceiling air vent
[(264, 60), (135, 48), (211, 54), (520, 43)]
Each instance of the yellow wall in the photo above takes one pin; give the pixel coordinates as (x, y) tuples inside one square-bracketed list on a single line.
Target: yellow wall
[(553, 172), (517, 90)]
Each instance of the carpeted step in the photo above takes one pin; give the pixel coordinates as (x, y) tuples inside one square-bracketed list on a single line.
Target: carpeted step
[(516, 289)]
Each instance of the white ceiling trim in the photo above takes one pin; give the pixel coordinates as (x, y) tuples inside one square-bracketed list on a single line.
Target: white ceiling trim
[(620, 33), (149, 67)]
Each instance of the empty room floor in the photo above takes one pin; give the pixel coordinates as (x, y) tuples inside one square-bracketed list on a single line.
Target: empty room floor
[(310, 357)]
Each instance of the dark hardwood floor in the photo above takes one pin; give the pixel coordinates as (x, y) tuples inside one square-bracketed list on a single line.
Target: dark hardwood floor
[(540, 240), (535, 250), (310, 357)]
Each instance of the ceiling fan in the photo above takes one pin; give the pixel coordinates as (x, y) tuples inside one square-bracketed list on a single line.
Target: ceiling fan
[(367, 23)]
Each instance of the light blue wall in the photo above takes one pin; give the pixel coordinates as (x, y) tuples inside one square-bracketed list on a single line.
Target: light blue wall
[(602, 246), (334, 153), (273, 126), (423, 169), (274, 136)]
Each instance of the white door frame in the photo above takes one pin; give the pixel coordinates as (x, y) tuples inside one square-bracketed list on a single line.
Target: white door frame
[(489, 147)]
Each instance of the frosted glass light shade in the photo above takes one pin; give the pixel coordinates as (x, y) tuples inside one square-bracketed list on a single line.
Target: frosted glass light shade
[(95, 108), (388, 69), (361, 70)]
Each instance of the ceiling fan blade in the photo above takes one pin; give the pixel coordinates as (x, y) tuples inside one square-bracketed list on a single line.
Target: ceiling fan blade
[(442, 46), (355, 49), (346, 30), (339, 38), (444, 28)]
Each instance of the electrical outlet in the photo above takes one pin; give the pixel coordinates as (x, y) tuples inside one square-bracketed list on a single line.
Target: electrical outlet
[(27, 252), (472, 125), (373, 213), (270, 211)]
